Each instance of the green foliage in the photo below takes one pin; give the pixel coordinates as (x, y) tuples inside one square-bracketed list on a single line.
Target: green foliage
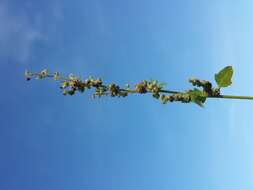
[(64, 84), (64, 92), (198, 96), (223, 78)]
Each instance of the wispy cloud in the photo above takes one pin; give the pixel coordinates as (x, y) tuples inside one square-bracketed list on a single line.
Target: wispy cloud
[(16, 34), (19, 31)]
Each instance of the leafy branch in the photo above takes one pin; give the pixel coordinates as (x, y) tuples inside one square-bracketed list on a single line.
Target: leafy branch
[(203, 89)]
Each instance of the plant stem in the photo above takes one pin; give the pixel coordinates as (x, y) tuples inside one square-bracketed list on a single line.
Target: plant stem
[(221, 96), (170, 91), (233, 97), (166, 91)]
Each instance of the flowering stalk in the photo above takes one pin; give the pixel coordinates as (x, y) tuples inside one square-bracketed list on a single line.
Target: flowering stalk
[(203, 89)]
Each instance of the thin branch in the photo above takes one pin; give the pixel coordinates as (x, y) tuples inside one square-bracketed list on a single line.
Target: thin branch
[(204, 89)]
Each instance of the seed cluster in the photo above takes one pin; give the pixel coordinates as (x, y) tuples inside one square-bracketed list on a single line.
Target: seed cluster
[(207, 87), (71, 84), (151, 86), (181, 97)]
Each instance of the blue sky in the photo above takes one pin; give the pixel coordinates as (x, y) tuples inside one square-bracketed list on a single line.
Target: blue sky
[(48, 141)]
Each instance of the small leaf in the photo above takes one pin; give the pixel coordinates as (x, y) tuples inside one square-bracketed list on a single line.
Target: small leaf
[(71, 92), (44, 73), (28, 75), (81, 88), (198, 96), (127, 87), (156, 96), (71, 77), (90, 77), (162, 85), (153, 82), (164, 99), (223, 78), (65, 92), (64, 84), (56, 76)]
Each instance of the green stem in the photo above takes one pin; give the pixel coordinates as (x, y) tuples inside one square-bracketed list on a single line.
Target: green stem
[(164, 91), (234, 97), (170, 91), (221, 96)]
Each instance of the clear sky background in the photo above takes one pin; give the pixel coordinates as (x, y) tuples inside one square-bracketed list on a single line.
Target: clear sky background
[(49, 142)]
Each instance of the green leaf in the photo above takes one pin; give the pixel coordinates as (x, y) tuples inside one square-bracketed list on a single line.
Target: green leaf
[(64, 84), (156, 96), (223, 78), (162, 85), (154, 82), (65, 92), (56, 75), (198, 96), (71, 92)]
